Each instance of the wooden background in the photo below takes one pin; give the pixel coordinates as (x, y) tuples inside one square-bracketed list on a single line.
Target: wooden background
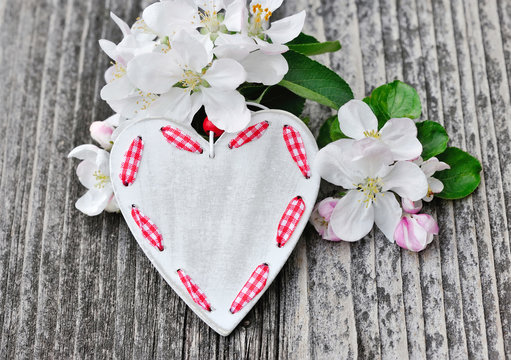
[(79, 287)]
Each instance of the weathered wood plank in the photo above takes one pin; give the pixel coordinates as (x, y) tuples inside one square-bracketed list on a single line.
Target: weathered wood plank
[(410, 263), (500, 105), (430, 259)]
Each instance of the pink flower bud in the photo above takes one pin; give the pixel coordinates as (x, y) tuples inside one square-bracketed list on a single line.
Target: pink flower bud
[(415, 232), (320, 218), (102, 133), (411, 207)]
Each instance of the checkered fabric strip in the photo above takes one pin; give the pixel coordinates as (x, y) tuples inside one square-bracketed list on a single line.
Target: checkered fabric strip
[(195, 292), (296, 147), (131, 163), (254, 286), (250, 134), (180, 140), (149, 229), (290, 220)]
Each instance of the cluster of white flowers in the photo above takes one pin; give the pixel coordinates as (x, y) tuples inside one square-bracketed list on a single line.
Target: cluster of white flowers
[(179, 56), (374, 166), (185, 54)]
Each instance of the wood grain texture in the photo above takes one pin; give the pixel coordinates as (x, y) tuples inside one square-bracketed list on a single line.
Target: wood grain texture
[(78, 287)]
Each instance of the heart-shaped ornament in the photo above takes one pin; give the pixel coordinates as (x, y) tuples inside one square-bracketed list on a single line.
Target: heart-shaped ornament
[(218, 229)]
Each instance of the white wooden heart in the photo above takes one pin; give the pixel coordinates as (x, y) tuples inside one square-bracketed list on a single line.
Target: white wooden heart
[(218, 216)]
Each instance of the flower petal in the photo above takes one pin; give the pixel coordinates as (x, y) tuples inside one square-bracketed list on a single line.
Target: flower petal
[(154, 73), (285, 30), (326, 207), (387, 214), (235, 46), (175, 104), (112, 206), (371, 157), (428, 222), (227, 110), (109, 48), (121, 24), (225, 74), (119, 88), (352, 219), (411, 207), (407, 180), (168, 17), (435, 185), (333, 164), (356, 117), (94, 201), (401, 137), (85, 172), (235, 15), (330, 235), (271, 49), (265, 69), (431, 166), (195, 52), (85, 152)]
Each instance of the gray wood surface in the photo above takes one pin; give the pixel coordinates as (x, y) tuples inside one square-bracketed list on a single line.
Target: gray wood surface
[(79, 287)]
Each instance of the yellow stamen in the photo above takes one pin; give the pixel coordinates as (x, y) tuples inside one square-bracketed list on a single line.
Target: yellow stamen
[(371, 187), (373, 133), (191, 80), (146, 99), (119, 71), (101, 179), (259, 14)]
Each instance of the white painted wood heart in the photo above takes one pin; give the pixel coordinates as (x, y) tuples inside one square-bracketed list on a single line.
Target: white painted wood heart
[(218, 217)]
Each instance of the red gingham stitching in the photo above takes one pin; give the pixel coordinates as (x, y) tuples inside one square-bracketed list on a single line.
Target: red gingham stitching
[(180, 140), (296, 147), (148, 228), (290, 220), (129, 167), (254, 286), (195, 292), (250, 134)]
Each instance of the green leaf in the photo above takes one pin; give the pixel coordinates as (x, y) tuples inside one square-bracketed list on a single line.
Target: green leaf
[(252, 91), (433, 138), (308, 45), (311, 80), (463, 177), (278, 97), (330, 132), (394, 100), (303, 39)]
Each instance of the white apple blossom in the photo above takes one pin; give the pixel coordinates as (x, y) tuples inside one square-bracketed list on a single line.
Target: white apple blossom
[(357, 121), (415, 231), (260, 44), (209, 17), (364, 169), (272, 36), (94, 173), (261, 67), (429, 168), (119, 92), (435, 186), (187, 77)]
